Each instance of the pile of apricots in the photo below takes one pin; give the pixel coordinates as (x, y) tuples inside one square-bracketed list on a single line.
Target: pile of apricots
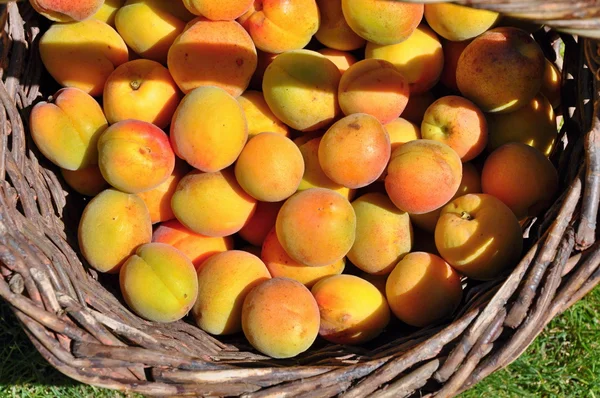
[(289, 169)]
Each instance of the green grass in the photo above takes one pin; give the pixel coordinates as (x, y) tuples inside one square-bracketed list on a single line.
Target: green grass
[(563, 362)]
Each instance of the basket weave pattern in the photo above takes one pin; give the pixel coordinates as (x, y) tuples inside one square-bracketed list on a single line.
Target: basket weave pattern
[(86, 332)]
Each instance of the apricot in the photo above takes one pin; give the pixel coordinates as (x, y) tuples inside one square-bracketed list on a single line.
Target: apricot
[(551, 84), (135, 156), (213, 53), (258, 115), (280, 318), (316, 227), (383, 234), (401, 131), (314, 177), (224, 281), (342, 59), (458, 122), (374, 87), (281, 265), (355, 150), (112, 226), (158, 200), (423, 289), (264, 60), (142, 90), (470, 183), (209, 129), (150, 27), (501, 70), (479, 236), (66, 132), (416, 107), (455, 22), (334, 32), (262, 221), (277, 26), (378, 281), (218, 10), (452, 53), (297, 78), (419, 58), (106, 13), (66, 10), (196, 247), (382, 22), (171, 276), (534, 124), (423, 175), (82, 54), (212, 204), (87, 181), (521, 177), (353, 311)]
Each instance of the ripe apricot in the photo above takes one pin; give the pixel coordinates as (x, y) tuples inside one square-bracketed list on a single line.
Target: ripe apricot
[(261, 222), (334, 32), (258, 115)]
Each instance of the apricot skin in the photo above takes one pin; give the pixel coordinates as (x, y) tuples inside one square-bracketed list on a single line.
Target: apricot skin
[(66, 10), (172, 277), (258, 115), (457, 23), (280, 318), (334, 31), (87, 181), (261, 222)]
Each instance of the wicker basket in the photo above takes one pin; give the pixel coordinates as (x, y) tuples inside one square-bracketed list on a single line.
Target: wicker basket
[(85, 331)]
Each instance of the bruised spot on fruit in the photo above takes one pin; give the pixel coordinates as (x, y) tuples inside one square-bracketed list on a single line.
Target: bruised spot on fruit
[(354, 126)]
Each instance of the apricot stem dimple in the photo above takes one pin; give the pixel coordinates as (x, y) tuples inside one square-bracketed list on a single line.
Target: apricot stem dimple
[(466, 216), (135, 84)]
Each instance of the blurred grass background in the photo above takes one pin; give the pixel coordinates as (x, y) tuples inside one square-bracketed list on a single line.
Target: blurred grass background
[(563, 362)]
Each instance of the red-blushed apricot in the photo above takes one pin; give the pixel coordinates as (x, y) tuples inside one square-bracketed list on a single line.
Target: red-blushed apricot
[(314, 177), (423, 289), (470, 183), (383, 234), (112, 226), (135, 156), (172, 278), (281, 265), (353, 311), (258, 115), (196, 247), (552, 84), (416, 107), (277, 26), (419, 58), (342, 59), (264, 60), (66, 10), (423, 175), (297, 78), (106, 13), (534, 124), (87, 181), (222, 10), (213, 53), (280, 318), (479, 236), (457, 23), (270, 167), (158, 200), (82, 54), (209, 129), (334, 31), (67, 131), (212, 204), (401, 131), (501, 70), (149, 27), (224, 281), (382, 22), (457, 122), (521, 177), (355, 150), (142, 90), (316, 227), (452, 53), (261, 222), (375, 87)]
